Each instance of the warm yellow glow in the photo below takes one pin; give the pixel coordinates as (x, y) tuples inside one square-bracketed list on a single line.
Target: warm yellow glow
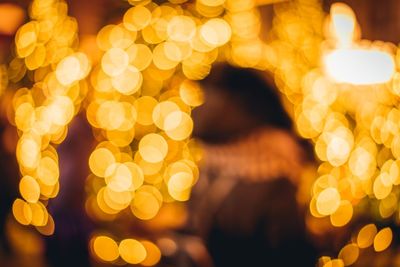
[(338, 145), (216, 32), (46, 52), (145, 106), (181, 28), (136, 18), (179, 185), (70, 70), (161, 112), (115, 61), (36, 59), (328, 201), (362, 163), (47, 229), (153, 148), (99, 161), (145, 205), (118, 177), (334, 263), (178, 125), (161, 59), (110, 115), (128, 82), (132, 251), (349, 254), (28, 151), (137, 98), (153, 254), (30, 189), (47, 171), (40, 215), (212, 2), (140, 56), (366, 236), (383, 239), (191, 93), (26, 38), (61, 110), (382, 186), (105, 248), (116, 199), (11, 16), (343, 214), (22, 212), (107, 205)]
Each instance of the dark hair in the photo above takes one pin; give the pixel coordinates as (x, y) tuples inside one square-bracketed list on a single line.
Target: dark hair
[(253, 90)]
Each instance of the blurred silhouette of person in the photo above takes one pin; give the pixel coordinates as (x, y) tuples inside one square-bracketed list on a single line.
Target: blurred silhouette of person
[(244, 205)]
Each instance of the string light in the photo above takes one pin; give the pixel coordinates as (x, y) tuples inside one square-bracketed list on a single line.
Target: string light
[(45, 53), (139, 106), (346, 104), (141, 94), (130, 250)]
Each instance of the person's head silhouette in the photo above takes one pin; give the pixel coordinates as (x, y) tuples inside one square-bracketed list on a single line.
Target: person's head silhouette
[(237, 100)]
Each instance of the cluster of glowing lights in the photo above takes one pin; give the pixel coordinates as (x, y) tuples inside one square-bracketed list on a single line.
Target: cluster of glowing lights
[(139, 108), (45, 53), (366, 237), (142, 93), (138, 99), (358, 160), (141, 103), (348, 108), (129, 250)]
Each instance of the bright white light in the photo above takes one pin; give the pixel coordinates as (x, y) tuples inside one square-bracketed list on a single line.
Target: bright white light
[(343, 23), (359, 66)]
